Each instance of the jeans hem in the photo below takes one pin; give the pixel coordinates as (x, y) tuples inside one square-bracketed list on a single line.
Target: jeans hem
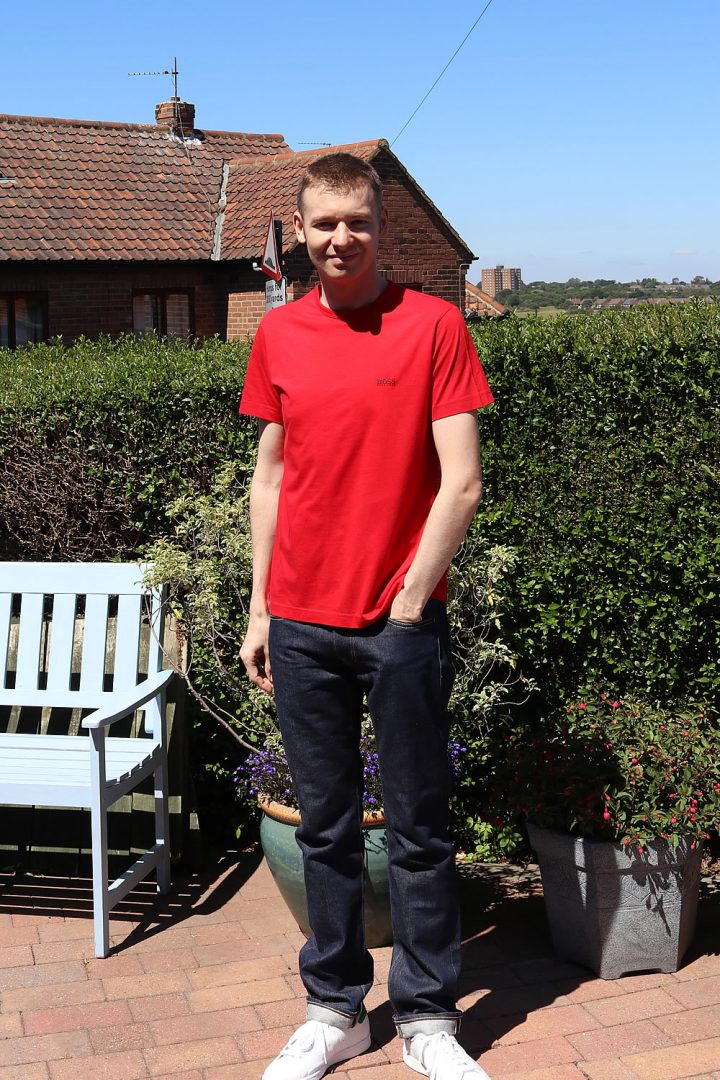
[(326, 1014), (426, 1025)]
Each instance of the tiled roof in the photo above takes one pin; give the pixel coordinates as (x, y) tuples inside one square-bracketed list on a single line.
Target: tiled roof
[(87, 190), (255, 186), (72, 189), (485, 298)]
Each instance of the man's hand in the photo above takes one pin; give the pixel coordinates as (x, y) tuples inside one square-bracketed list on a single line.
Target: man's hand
[(405, 608), (254, 652)]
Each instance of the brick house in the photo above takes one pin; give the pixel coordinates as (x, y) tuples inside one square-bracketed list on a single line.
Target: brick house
[(112, 228)]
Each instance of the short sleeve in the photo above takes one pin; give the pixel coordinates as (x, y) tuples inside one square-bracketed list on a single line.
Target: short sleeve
[(260, 397), (459, 383)]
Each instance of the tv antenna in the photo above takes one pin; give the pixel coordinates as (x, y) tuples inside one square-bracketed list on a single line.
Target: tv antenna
[(174, 72), (314, 144)]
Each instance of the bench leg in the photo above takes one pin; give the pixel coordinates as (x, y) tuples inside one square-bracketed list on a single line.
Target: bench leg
[(162, 825), (101, 899)]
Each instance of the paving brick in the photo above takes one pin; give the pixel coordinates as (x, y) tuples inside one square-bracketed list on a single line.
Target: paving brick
[(244, 949), (564, 1020), (702, 967), (170, 960), (279, 1013), (32, 1048), (556, 1072), (111, 1040), (537, 1054), (595, 990), (135, 986), (26, 999), (691, 1026), (512, 1001), (204, 1025), (121, 964), (54, 951), (696, 993), (128, 1065), (10, 1024), (214, 998), (356, 1071), (193, 1074), (42, 975), (676, 1062), (249, 1070), (155, 1008), (192, 1055), (608, 1069), (36, 1071), (263, 1043), (75, 1017), (618, 1040), (239, 971), (497, 977), (642, 1005), (17, 935), (66, 930)]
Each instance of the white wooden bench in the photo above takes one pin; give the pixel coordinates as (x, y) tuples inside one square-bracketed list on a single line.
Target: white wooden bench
[(57, 650)]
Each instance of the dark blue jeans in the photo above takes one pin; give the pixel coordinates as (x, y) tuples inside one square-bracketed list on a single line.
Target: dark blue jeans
[(321, 675)]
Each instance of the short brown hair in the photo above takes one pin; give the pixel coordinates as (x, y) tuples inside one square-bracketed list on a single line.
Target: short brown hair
[(341, 173)]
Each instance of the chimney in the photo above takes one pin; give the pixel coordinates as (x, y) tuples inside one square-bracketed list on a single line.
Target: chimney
[(177, 116)]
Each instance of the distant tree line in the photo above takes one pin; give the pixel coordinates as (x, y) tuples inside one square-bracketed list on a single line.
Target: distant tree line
[(561, 294)]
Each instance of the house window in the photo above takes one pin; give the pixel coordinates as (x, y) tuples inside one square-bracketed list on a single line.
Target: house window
[(23, 319), (164, 312)]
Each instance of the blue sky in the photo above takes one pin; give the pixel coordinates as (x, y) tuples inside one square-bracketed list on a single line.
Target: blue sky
[(567, 138)]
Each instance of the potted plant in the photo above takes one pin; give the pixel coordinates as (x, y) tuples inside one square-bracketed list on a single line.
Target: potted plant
[(618, 796)]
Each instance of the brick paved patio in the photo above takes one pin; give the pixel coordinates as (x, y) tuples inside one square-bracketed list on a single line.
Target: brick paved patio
[(204, 987)]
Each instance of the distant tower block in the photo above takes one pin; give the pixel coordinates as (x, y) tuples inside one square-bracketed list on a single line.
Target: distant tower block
[(497, 279)]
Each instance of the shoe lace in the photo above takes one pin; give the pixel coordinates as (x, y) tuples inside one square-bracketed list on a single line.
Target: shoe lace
[(447, 1052), (300, 1042)]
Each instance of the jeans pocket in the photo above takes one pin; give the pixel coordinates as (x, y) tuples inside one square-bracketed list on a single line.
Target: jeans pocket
[(412, 625)]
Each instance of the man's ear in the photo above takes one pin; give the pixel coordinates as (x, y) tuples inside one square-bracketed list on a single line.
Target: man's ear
[(298, 226), (383, 221)]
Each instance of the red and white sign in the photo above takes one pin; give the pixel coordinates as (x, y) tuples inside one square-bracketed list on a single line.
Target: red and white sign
[(270, 263)]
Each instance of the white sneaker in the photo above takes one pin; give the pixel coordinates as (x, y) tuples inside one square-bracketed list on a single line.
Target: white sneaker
[(314, 1047), (440, 1057)]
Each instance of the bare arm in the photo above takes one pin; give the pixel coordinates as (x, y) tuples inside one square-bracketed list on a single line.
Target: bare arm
[(458, 448), (264, 493)]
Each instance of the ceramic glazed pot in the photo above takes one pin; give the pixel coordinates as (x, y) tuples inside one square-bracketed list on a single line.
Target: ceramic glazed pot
[(613, 909), (277, 835)]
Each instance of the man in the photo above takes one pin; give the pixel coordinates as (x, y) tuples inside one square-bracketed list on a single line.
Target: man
[(368, 475)]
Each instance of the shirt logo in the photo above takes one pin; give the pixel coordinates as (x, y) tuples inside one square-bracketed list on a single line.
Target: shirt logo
[(387, 382)]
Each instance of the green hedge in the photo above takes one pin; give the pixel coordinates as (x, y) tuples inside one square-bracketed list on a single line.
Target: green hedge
[(602, 462), (97, 438)]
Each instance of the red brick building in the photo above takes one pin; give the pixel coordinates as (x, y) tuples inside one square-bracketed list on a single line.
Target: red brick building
[(114, 228)]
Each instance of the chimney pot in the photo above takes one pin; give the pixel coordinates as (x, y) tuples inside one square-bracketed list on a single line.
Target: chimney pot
[(177, 116)]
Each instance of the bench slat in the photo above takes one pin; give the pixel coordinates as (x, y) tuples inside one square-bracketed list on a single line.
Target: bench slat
[(78, 578), (127, 641), (5, 610), (92, 667), (62, 632), (29, 637)]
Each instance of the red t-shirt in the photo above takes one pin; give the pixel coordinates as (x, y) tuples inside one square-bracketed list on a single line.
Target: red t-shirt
[(356, 393)]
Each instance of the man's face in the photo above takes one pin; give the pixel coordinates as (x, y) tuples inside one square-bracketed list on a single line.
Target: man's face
[(342, 233)]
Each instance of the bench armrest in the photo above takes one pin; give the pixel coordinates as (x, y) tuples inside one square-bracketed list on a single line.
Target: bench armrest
[(128, 701)]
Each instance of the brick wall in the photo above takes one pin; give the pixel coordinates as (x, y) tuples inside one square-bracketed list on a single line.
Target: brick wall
[(94, 300), (417, 250)]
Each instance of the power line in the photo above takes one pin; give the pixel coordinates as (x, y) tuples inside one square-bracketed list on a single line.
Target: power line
[(411, 117)]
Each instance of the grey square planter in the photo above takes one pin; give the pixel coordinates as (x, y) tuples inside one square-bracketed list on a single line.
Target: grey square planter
[(614, 910)]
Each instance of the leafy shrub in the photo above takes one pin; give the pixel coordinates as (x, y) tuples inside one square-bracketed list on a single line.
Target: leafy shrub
[(96, 438), (602, 462)]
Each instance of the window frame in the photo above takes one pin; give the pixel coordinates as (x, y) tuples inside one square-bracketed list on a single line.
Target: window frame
[(37, 296), (163, 295)]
